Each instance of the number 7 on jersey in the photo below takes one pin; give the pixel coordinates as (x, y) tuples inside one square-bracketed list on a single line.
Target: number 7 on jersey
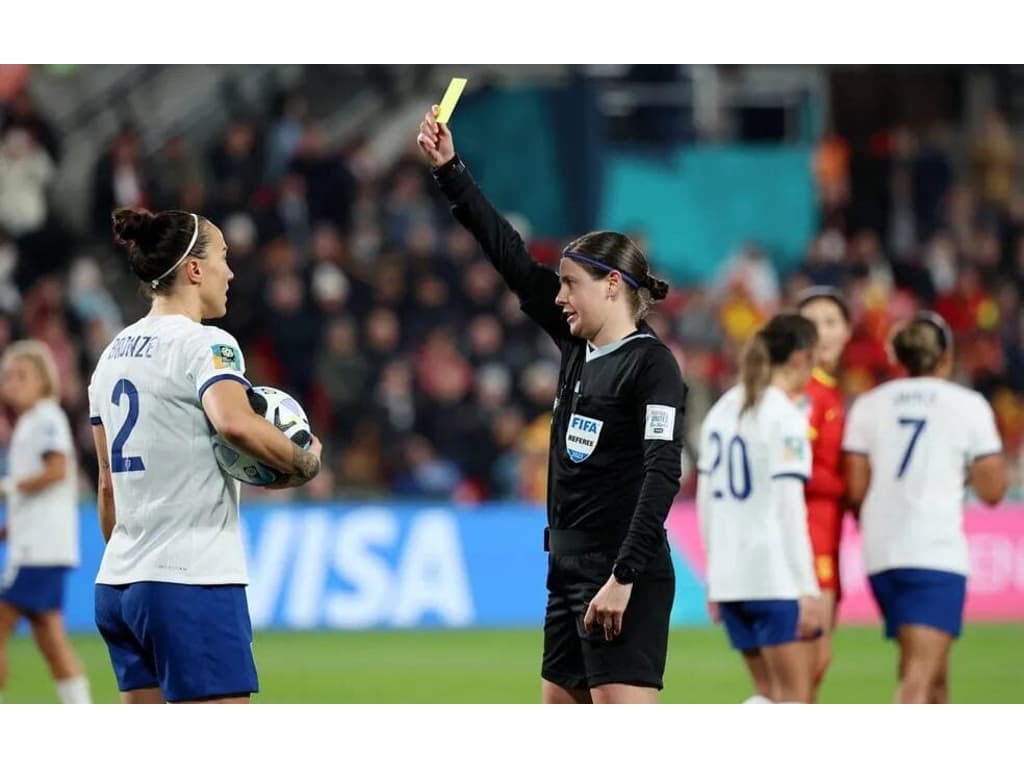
[(918, 427)]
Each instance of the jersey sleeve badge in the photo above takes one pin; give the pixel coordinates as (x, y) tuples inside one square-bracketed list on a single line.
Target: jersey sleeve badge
[(792, 449), (226, 357)]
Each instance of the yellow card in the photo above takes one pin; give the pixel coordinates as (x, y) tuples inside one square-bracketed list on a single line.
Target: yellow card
[(451, 98)]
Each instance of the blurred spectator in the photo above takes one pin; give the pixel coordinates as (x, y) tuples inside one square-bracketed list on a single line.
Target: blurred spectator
[(92, 302), (993, 163), (119, 181), (344, 374), (749, 271), (236, 167), (177, 178), (245, 295), (285, 134), (21, 113), (294, 333), (427, 475), (330, 188), (26, 172)]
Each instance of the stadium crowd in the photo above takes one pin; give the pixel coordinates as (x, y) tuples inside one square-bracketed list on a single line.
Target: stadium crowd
[(357, 292)]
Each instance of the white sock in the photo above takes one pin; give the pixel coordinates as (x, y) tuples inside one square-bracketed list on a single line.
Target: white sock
[(758, 699), (74, 690)]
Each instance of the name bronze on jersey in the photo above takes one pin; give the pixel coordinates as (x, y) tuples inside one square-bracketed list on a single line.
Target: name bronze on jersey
[(132, 346), (581, 437)]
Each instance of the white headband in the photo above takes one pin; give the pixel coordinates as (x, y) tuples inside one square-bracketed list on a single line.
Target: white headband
[(191, 243)]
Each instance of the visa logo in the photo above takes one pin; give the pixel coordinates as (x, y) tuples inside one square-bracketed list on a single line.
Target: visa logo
[(368, 568)]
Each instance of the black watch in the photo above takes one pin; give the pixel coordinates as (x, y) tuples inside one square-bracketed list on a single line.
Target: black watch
[(623, 573)]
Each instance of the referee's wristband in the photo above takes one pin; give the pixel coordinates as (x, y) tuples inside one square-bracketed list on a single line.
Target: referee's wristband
[(453, 177), (623, 574)]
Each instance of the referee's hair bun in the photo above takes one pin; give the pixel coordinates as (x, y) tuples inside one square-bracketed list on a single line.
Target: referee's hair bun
[(657, 287)]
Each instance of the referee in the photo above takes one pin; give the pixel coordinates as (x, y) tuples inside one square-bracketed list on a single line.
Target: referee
[(615, 453)]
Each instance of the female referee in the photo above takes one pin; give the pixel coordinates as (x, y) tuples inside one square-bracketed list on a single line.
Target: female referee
[(615, 447), (170, 593), (755, 457), (910, 446), (826, 489)]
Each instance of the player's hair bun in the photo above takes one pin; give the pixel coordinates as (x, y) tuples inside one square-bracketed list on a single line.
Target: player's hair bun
[(135, 229)]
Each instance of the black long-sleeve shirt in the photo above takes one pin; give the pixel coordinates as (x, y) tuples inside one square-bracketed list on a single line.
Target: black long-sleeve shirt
[(617, 423)]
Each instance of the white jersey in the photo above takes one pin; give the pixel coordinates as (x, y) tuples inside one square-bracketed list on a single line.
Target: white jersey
[(42, 527), (176, 512), (750, 499), (919, 434)]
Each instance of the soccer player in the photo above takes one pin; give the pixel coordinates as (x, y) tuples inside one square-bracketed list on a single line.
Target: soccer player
[(170, 593), (615, 447), (826, 489), (755, 457), (42, 516), (911, 445)]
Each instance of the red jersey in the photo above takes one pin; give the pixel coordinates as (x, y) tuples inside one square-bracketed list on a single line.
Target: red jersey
[(826, 415)]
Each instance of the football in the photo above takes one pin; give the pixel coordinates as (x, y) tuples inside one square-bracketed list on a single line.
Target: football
[(284, 412)]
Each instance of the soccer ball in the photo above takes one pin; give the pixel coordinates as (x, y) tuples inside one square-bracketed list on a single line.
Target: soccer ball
[(284, 412)]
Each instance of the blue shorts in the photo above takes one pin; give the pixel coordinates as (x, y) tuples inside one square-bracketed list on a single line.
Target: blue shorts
[(193, 642), (753, 624), (920, 596), (36, 589)]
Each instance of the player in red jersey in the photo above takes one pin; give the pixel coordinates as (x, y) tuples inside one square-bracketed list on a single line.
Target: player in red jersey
[(824, 492)]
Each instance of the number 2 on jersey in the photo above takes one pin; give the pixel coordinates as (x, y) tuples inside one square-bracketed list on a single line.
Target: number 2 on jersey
[(118, 461), (735, 454), (918, 426)]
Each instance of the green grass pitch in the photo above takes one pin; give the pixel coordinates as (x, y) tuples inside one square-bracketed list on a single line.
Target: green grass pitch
[(503, 666)]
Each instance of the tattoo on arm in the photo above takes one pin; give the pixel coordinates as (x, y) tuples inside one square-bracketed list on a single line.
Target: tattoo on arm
[(306, 465)]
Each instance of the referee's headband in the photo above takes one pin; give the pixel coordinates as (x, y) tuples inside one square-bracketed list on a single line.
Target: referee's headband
[(577, 256)]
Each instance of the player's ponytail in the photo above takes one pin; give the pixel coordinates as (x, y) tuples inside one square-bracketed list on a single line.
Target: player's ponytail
[(755, 371), (921, 344), (772, 346), (157, 243), (598, 253)]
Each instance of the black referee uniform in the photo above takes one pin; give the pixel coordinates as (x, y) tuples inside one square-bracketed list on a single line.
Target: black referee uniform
[(613, 469)]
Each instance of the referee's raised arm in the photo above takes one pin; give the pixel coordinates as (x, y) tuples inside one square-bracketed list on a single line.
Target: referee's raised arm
[(534, 284)]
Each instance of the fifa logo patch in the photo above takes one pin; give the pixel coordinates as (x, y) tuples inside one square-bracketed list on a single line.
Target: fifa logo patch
[(581, 437), (792, 449), (225, 356)]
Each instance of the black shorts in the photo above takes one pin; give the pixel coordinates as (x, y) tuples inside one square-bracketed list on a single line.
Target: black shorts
[(576, 659)]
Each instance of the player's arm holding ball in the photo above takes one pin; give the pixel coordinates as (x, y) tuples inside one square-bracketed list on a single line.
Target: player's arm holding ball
[(227, 406), (219, 375)]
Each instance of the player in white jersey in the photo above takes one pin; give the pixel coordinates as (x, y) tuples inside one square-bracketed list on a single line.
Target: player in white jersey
[(911, 445), (170, 593), (755, 457), (42, 516)]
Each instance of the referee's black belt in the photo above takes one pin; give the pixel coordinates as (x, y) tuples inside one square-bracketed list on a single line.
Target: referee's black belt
[(559, 541)]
